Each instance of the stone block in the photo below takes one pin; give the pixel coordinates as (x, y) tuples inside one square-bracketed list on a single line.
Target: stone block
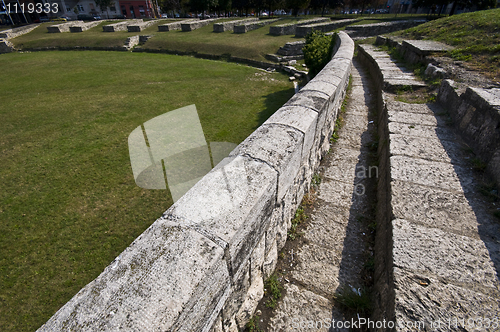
[(270, 261), (239, 290), (257, 260), (247, 309), (169, 278), (120, 26), (438, 305), (233, 206), (430, 173), (300, 118), (279, 147), (456, 258), (84, 26), (229, 26)]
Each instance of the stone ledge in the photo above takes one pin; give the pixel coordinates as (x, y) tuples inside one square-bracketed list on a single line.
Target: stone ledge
[(120, 26), (302, 31), (15, 32), (229, 26), (249, 26), (289, 29)]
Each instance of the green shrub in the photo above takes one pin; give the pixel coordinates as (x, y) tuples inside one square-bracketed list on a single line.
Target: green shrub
[(317, 51)]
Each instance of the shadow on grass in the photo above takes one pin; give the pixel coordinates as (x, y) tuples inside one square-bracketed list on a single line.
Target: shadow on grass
[(273, 102)]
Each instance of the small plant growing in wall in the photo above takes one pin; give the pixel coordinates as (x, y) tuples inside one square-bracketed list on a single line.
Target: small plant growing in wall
[(273, 288), (299, 217)]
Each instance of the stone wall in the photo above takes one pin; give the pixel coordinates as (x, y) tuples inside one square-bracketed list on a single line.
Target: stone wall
[(193, 25), (138, 27), (229, 26), (6, 46), (367, 30), (302, 31), (63, 27), (15, 32), (174, 25), (249, 26), (120, 26), (289, 29), (201, 265), (84, 26), (476, 114)]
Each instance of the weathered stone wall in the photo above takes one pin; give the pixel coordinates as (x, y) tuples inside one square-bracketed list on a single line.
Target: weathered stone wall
[(302, 31), (15, 32), (174, 25), (193, 25), (138, 27), (84, 26), (120, 26), (63, 27), (6, 46), (436, 253), (245, 27), (201, 266), (367, 30), (476, 114), (289, 29), (229, 26)]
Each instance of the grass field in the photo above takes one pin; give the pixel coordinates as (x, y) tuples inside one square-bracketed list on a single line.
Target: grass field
[(253, 45), (476, 37), (68, 201)]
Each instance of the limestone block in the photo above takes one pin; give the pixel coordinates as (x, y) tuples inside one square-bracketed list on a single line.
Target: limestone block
[(120, 26), (430, 173), (217, 327), (232, 204), (15, 32), (63, 27), (139, 26), (314, 100), (84, 26), (229, 26), (254, 295), (454, 257), (257, 260), (193, 25), (278, 146), (169, 278), (300, 118), (270, 261), (422, 298), (239, 291)]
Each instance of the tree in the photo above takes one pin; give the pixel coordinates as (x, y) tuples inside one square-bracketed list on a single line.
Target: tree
[(170, 6), (103, 4), (296, 5), (317, 51), (323, 4)]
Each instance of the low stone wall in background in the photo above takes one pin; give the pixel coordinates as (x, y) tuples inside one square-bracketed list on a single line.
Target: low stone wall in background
[(120, 26), (249, 26), (193, 25), (15, 32), (201, 266), (229, 26), (304, 30), (289, 29), (63, 27), (84, 26), (367, 30), (174, 25)]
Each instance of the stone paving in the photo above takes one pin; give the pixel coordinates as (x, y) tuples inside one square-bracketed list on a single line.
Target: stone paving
[(437, 248), (334, 252)]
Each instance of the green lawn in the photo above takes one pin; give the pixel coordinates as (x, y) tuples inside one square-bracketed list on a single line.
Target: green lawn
[(253, 45), (68, 201), (475, 35)]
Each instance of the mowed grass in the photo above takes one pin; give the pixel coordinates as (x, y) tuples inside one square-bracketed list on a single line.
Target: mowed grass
[(476, 37), (68, 201), (252, 45)]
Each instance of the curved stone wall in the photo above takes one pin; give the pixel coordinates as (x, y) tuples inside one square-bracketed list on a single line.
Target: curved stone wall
[(201, 266)]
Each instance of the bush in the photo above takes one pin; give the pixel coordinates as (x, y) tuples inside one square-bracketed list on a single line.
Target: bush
[(317, 51)]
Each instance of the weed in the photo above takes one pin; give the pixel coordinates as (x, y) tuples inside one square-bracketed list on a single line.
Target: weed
[(253, 324), (273, 288), (316, 180), (309, 198), (355, 300), (300, 216)]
